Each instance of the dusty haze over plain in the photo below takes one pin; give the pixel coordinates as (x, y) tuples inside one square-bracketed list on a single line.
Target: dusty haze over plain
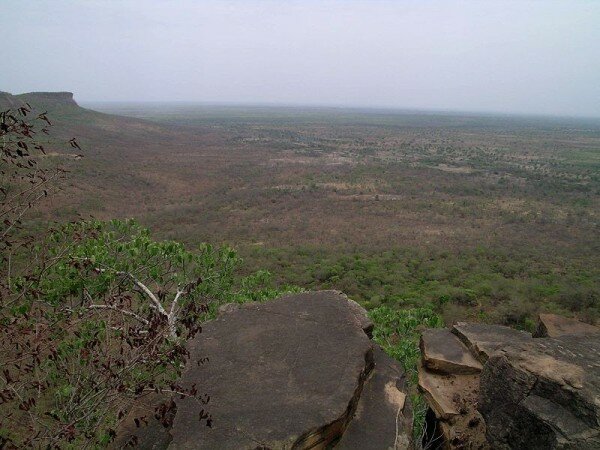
[(504, 56)]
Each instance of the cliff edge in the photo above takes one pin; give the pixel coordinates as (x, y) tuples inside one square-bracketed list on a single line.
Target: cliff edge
[(492, 387), (299, 372)]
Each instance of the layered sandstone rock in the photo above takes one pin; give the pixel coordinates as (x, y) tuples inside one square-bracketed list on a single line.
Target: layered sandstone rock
[(531, 393), (443, 352), (483, 340), (553, 325), (449, 380), (543, 394)]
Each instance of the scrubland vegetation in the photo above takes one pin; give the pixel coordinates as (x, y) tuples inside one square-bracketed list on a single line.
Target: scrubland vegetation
[(424, 219), (479, 217)]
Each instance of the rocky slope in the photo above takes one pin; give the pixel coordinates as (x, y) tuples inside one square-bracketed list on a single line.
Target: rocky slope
[(69, 119), (301, 372)]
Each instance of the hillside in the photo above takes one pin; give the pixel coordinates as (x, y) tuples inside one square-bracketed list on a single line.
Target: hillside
[(43, 100), (117, 151)]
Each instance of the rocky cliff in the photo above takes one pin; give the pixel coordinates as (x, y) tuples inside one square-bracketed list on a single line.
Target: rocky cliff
[(301, 372), (490, 386)]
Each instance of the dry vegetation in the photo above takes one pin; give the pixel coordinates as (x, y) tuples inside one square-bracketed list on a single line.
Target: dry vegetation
[(490, 218), (422, 218)]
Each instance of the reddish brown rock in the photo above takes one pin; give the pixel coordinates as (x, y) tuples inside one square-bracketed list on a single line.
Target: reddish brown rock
[(439, 390), (553, 325), (453, 401), (484, 340), (443, 352)]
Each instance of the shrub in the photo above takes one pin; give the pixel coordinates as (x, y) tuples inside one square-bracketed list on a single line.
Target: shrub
[(398, 333)]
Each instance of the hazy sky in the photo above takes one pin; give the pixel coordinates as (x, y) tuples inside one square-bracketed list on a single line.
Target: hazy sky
[(509, 56)]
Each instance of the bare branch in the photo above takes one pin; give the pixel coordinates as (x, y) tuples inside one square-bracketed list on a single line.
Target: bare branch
[(122, 311), (172, 317), (159, 307)]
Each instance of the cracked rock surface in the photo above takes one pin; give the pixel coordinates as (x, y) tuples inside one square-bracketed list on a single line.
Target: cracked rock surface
[(298, 372), (382, 409), (543, 394), (483, 339), (443, 352), (532, 393), (449, 380), (553, 325)]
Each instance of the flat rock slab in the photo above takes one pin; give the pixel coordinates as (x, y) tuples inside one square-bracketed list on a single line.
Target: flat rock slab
[(484, 340), (447, 394), (383, 417), (443, 352), (449, 380), (543, 394), (280, 375), (553, 325), (453, 400)]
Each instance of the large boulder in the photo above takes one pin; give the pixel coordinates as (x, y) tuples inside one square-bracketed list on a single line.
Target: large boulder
[(553, 325), (298, 372), (543, 394)]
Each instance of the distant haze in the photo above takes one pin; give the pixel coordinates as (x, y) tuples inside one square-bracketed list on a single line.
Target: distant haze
[(501, 56)]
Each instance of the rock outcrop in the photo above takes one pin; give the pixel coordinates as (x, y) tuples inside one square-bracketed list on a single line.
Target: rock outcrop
[(449, 380), (553, 325), (299, 372), (529, 393), (383, 417), (484, 340), (444, 352), (543, 394)]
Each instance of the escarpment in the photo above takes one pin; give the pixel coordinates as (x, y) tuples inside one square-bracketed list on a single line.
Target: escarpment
[(40, 100)]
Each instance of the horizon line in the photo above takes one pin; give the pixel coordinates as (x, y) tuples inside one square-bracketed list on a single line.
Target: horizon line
[(387, 108)]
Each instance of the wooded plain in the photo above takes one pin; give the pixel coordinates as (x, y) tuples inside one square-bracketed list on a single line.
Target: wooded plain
[(486, 218)]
